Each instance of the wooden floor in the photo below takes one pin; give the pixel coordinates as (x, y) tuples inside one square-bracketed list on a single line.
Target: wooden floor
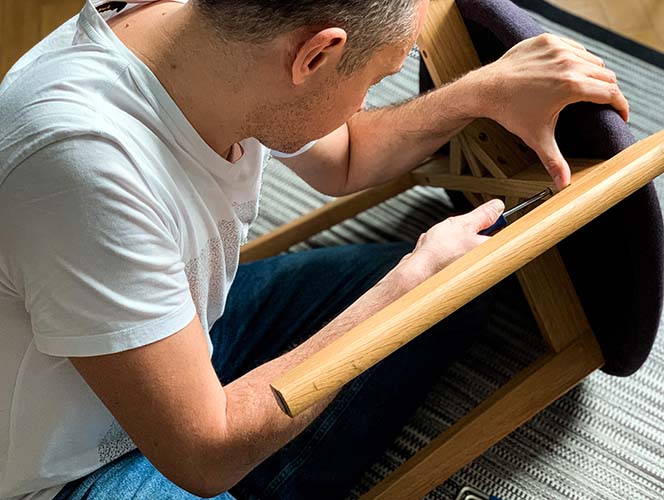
[(640, 20), (24, 22)]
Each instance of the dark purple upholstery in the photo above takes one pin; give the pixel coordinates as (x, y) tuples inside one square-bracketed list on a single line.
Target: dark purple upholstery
[(616, 261)]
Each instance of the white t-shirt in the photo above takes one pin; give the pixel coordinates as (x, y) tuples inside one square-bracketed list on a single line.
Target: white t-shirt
[(117, 223)]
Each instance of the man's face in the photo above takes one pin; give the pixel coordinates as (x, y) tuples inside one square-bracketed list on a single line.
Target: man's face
[(330, 101)]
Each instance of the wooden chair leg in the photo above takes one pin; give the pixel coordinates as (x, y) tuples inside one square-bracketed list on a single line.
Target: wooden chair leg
[(516, 402), (560, 321), (575, 354), (565, 328)]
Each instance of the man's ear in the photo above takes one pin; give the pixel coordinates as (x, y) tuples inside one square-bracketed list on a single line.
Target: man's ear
[(325, 47)]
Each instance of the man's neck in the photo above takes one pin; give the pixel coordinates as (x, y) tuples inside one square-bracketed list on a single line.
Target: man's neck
[(160, 35)]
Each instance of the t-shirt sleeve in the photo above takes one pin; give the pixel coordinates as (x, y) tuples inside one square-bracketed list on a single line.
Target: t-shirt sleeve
[(92, 250)]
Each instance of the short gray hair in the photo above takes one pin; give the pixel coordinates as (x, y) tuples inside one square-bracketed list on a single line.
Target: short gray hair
[(370, 24)]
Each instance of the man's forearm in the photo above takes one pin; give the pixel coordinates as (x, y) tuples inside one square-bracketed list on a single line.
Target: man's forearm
[(256, 426), (388, 142)]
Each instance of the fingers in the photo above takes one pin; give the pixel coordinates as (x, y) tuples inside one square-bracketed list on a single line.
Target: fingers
[(601, 87), (575, 58), (552, 159), (571, 42), (484, 216), (601, 92), (593, 65), (566, 46), (606, 75), (581, 51), (592, 70), (587, 56)]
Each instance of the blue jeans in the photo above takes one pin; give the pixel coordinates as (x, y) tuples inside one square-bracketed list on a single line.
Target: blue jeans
[(273, 305)]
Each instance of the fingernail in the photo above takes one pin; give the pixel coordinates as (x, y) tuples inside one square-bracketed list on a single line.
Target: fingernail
[(497, 204)]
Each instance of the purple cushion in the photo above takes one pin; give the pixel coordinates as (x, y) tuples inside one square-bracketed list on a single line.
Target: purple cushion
[(615, 261)]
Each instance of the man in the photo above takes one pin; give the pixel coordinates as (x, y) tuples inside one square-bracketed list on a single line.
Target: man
[(131, 153)]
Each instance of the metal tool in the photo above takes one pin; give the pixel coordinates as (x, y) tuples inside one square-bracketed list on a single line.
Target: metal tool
[(471, 493), (502, 220)]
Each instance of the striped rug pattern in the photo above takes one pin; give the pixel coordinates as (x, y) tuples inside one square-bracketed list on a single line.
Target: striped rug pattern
[(605, 438)]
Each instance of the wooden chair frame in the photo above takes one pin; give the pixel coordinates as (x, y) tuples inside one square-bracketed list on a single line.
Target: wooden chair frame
[(498, 164)]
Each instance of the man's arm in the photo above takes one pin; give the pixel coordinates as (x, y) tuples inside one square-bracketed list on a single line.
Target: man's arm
[(205, 437), (376, 146), (524, 91), (200, 435)]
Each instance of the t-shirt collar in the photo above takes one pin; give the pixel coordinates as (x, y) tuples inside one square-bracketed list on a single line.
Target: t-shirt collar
[(93, 24)]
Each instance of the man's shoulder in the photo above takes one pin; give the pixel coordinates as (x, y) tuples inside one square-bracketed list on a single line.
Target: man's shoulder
[(57, 95), (66, 51), (75, 74)]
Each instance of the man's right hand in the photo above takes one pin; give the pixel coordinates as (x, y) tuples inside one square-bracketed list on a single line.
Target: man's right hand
[(447, 241)]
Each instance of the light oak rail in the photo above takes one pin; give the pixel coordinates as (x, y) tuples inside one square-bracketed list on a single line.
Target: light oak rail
[(600, 188)]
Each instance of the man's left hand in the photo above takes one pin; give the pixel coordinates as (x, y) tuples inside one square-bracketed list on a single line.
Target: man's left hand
[(527, 88)]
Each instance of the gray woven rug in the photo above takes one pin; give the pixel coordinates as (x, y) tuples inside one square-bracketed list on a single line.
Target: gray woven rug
[(605, 438)]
